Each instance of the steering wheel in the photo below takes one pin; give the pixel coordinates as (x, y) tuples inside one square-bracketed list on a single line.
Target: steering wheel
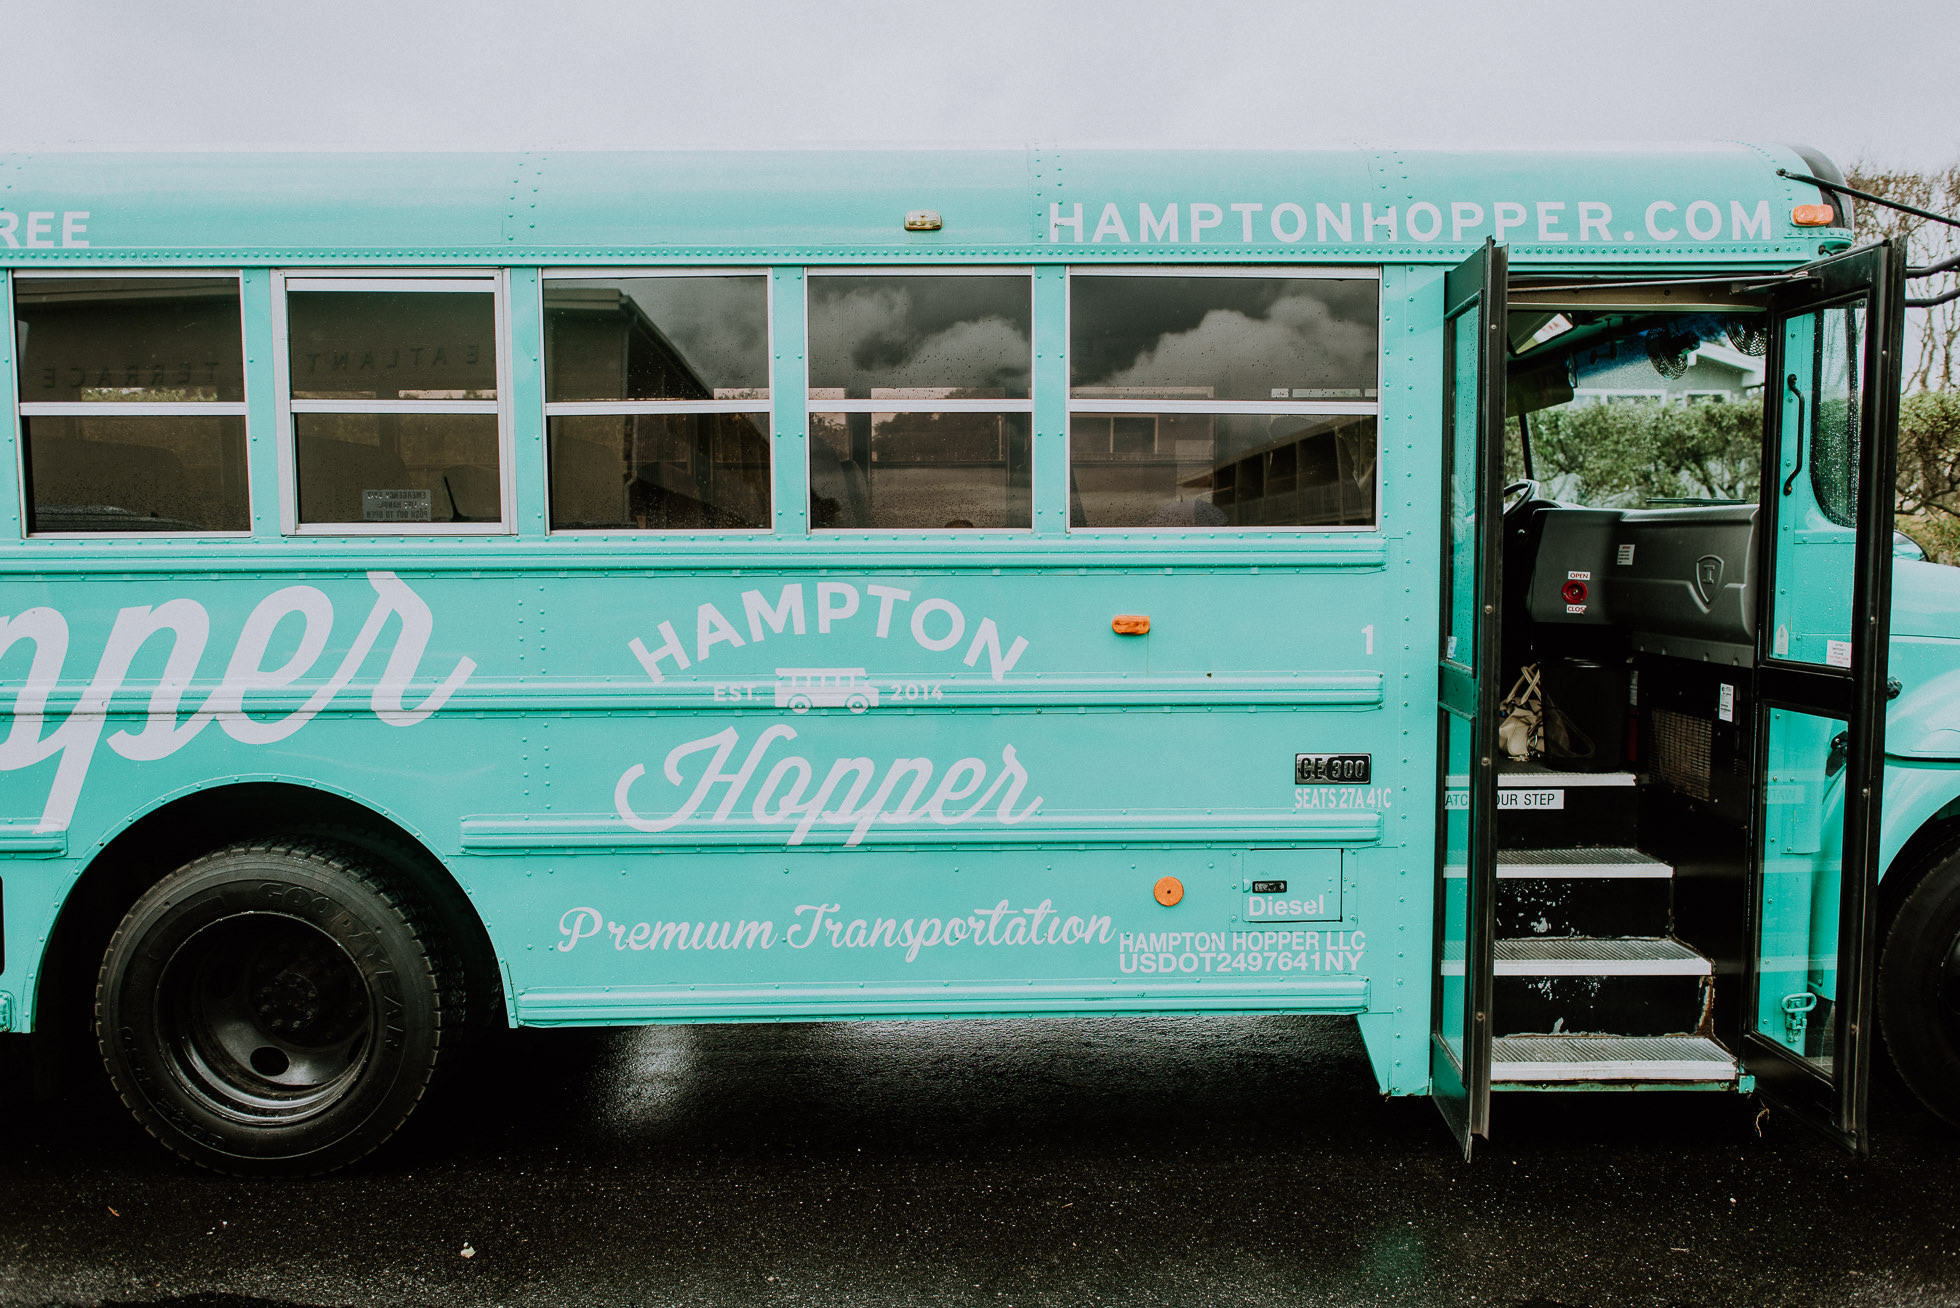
[(1526, 491)]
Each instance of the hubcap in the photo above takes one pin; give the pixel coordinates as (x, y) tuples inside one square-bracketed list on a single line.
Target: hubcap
[(266, 1016)]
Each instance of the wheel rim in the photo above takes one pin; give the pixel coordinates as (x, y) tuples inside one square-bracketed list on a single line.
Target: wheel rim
[(266, 1016)]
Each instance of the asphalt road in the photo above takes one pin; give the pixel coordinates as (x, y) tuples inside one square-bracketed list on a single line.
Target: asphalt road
[(1180, 1161)]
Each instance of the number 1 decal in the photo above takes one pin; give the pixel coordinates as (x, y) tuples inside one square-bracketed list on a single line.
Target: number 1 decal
[(1368, 634)]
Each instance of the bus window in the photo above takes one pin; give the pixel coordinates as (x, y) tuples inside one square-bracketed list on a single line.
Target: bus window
[(1835, 408), (920, 405), (93, 349), (657, 394), (1222, 400), (1624, 408), (395, 402)]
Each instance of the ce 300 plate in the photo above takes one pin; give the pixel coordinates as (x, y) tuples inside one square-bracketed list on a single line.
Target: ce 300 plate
[(1332, 769)]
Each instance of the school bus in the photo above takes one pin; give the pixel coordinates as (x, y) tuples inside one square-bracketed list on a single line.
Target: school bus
[(445, 592)]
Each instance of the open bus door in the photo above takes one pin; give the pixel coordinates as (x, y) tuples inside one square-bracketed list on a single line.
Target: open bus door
[(1822, 629), (1466, 708)]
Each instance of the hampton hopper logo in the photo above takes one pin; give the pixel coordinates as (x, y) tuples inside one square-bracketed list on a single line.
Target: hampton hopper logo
[(846, 794)]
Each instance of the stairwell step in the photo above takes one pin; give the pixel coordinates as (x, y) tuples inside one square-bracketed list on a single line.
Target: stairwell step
[(1588, 956), (1616, 862), (1585, 956), (1530, 1058)]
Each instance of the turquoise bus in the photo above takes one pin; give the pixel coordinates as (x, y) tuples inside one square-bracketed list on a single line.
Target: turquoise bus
[(441, 593)]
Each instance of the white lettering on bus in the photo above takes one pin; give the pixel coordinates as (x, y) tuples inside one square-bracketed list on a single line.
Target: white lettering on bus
[(37, 233), (1654, 229), (937, 625), (1755, 225), (1000, 926), (1548, 224), (1334, 222), (1506, 214), (792, 777), (1111, 224), (1324, 218), (1597, 216), (1168, 952), (189, 627), (1714, 227)]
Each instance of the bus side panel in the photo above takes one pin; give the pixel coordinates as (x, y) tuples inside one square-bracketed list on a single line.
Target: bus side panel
[(1396, 1027), (979, 762), (567, 748)]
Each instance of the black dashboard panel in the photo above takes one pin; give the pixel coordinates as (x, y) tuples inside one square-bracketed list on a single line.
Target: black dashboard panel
[(1687, 574)]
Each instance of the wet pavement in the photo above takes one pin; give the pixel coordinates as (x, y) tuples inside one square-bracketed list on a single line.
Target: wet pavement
[(1174, 1161)]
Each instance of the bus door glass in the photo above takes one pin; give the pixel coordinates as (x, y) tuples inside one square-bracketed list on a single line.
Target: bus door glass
[(1832, 425), (1473, 427)]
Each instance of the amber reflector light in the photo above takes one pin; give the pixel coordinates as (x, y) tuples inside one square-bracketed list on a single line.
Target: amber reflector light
[(1169, 890), (1813, 215), (1130, 624)]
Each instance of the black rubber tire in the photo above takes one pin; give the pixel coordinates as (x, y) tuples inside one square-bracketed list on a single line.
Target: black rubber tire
[(1919, 990), (271, 1008)]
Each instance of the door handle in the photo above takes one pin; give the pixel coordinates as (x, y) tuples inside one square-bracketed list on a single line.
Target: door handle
[(1791, 479)]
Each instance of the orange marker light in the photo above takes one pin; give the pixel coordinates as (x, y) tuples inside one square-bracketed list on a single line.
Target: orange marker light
[(1813, 215), (1169, 891), (1130, 624)]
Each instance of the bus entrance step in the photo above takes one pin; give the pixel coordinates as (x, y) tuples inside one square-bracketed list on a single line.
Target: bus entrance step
[(1590, 956), (1582, 892), (1615, 862), (1525, 1061), (1644, 986), (1539, 808)]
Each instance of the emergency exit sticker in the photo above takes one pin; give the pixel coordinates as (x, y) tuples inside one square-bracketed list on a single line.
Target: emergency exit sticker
[(1837, 653), (1725, 703), (1626, 555)]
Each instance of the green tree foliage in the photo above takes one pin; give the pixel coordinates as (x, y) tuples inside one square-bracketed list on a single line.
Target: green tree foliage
[(1928, 504), (1623, 455)]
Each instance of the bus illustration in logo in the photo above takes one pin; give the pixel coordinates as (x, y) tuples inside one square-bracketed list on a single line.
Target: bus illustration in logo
[(801, 689)]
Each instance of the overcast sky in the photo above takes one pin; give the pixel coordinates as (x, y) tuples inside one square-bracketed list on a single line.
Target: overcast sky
[(1873, 80)]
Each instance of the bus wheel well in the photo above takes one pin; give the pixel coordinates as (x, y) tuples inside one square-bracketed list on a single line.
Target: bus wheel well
[(1923, 851), (160, 842)]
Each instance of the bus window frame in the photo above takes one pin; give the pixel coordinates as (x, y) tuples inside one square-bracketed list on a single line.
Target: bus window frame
[(419, 281), (1252, 408), (583, 408), (24, 410), (811, 272)]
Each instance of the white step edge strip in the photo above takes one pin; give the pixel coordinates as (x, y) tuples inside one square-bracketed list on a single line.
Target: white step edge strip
[(1590, 967), (1545, 780), (1664, 958), (1622, 868), (1560, 780), (1672, 1069), (1605, 967), (1650, 869)]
